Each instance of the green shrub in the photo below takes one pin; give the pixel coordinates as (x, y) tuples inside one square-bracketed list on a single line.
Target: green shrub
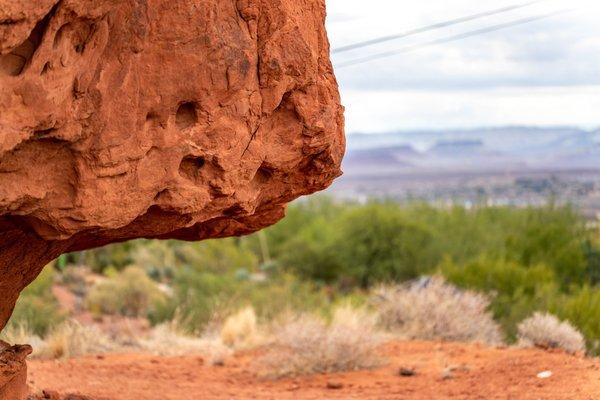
[(157, 258), (219, 255), (582, 309), (551, 236), (118, 256), (299, 216), (361, 246), (202, 297), (198, 296), (377, 243), (37, 308), (130, 293), (517, 291)]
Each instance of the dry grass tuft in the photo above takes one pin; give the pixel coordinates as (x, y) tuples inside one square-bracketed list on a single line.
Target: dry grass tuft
[(431, 309), (305, 344), (240, 330), (72, 339), (22, 334), (546, 331), (168, 340)]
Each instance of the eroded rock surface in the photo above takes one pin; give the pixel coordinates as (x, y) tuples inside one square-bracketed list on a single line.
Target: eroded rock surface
[(187, 119), (13, 371)]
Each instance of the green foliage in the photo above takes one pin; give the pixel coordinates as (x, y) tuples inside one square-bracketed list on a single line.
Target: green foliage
[(37, 308), (299, 216), (130, 293), (385, 241), (202, 297), (359, 246), (517, 291), (325, 251), (582, 309), (221, 255), (529, 259), (117, 256), (377, 243), (157, 258)]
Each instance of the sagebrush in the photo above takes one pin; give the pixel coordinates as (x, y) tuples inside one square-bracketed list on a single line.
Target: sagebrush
[(307, 344), (431, 309), (548, 332)]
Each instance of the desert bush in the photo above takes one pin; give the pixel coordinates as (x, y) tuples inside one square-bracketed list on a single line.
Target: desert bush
[(548, 332), (37, 308), (431, 309), (198, 297), (129, 293), (307, 344), (72, 339)]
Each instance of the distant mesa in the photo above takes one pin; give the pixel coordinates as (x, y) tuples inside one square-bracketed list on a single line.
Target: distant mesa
[(395, 155), (457, 146)]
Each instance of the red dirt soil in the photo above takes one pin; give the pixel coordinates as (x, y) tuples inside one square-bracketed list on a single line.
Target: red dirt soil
[(478, 372)]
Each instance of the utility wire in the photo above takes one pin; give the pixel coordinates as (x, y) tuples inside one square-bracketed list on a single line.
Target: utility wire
[(433, 27), (454, 38)]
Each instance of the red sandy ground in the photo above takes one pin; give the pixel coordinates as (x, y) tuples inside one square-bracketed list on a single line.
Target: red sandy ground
[(479, 373)]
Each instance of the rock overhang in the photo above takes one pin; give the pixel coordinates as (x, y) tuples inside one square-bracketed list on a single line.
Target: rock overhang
[(186, 119)]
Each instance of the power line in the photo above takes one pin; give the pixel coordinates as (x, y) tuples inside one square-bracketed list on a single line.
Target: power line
[(454, 38), (433, 27)]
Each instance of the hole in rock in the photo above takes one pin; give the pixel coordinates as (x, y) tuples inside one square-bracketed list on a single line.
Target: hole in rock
[(190, 167), (47, 67), (152, 119), (74, 34), (187, 115), (14, 62), (264, 174), (233, 211), (42, 133), (58, 38)]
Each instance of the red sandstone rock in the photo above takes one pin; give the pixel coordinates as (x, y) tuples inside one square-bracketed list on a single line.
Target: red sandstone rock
[(13, 371), (187, 119)]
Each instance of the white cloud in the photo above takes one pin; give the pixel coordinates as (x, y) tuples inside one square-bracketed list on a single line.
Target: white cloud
[(380, 111), (543, 73)]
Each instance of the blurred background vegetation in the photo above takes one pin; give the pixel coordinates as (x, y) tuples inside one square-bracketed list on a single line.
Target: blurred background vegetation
[(326, 252)]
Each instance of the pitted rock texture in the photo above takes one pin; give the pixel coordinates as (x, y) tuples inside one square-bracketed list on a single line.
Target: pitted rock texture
[(13, 371), (187, 119)]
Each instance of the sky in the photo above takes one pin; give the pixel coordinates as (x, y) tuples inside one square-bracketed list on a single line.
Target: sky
[(544, 73)]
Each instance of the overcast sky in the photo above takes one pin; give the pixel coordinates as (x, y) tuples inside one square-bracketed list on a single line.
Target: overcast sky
[(544, 73)]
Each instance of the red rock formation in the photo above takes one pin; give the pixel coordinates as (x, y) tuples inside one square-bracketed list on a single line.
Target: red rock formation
[(185, 119), (13, 371)]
